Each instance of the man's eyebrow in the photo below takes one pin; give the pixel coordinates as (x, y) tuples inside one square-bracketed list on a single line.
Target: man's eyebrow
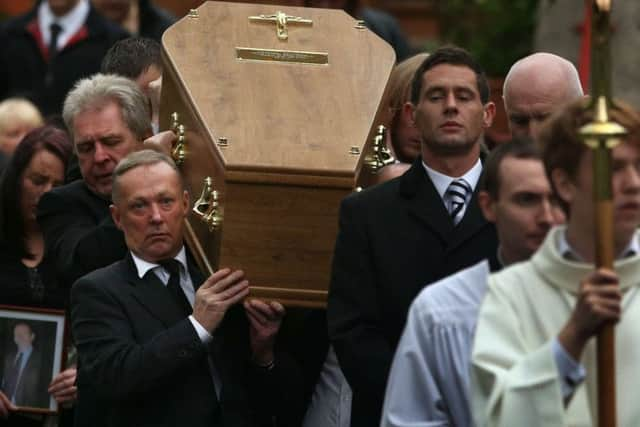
[(109, 136)]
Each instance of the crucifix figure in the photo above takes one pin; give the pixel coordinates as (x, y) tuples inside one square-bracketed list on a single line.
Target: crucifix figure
[(281, 19)]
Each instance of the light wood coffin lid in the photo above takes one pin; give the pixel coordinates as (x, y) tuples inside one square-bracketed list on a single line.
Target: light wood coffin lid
[(281, 118)]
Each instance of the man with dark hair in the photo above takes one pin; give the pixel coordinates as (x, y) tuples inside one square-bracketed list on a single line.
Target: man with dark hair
[(533, 356), (138, 59), (133, 56), (429, 379), (396, 237), (450, 55)]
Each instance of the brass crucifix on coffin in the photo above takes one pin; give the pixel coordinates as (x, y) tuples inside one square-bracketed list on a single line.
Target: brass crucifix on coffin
[(281, 19)]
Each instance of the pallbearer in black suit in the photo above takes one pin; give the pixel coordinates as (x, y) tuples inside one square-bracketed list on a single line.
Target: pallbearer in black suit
[(413, 230), (161, 345)]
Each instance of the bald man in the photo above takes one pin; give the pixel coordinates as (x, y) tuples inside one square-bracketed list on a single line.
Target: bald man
[(535, 86)]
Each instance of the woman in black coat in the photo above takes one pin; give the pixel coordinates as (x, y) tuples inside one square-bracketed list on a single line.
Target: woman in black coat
[(27, 278)]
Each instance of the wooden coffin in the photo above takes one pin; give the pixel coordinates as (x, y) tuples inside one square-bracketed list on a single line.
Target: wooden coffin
[(280, 121)]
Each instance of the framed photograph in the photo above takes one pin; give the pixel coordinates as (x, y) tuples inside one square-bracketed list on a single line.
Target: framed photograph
[(31, 354)]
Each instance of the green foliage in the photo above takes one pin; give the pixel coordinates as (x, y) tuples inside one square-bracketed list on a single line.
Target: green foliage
[(496, 32)]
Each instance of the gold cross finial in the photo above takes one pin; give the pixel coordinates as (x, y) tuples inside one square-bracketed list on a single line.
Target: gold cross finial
[(281, 19)]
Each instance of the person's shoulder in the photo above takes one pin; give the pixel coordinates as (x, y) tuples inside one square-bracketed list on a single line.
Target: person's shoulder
[(514, 279), (117, 270), (73, 190), (374, 194), (389, 192), (451, 297)]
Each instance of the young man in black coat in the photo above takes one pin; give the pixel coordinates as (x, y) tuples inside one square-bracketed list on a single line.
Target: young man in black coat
[(401, 235)]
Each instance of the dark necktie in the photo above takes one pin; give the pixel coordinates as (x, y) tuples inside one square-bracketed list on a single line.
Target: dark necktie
[(173, 267), (456, 197), (11, 381), (56, 29)]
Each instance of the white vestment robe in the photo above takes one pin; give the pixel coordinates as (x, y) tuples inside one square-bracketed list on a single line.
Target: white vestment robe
[(514, 377)]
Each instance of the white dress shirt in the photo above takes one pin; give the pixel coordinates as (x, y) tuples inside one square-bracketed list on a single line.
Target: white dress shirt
[(185, 283)]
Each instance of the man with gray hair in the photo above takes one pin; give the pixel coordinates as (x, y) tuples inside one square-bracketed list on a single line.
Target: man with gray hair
[(108, 117), (536, 86)]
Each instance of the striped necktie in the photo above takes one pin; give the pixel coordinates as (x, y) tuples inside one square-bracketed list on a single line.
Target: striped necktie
[(456, 197)]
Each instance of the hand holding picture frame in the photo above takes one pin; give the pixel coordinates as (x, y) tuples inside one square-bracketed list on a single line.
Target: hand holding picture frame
[(31, 355)]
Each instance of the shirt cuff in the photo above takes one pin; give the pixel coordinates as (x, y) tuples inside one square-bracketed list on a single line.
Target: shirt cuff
[(571, 372), (203, 334)]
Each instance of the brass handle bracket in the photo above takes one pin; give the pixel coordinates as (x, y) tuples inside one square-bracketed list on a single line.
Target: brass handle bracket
[(179, 150), (208, 207), (381, 155)]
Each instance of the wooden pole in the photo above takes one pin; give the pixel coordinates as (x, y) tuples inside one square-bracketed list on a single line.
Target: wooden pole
[(602, 135)]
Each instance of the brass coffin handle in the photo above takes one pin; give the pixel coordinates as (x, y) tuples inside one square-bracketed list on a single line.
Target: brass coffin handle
[(179, 151), (381, 155), (208, 207)]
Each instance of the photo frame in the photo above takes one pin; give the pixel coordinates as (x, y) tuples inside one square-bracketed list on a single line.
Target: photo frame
[(32, 351)]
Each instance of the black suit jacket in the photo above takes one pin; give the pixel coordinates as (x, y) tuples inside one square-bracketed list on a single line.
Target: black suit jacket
[(393, 240), (31, 389), (153, 20), (145, 360), (25, 71), (79, 234)]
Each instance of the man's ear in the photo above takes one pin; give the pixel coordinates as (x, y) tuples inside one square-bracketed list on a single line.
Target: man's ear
[(489, 114), (487, 206), (563, 184), (115, 214), (185, 202)]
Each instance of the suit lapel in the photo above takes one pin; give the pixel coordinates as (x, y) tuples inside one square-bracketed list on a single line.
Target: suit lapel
[(153, 295), (424, 202)]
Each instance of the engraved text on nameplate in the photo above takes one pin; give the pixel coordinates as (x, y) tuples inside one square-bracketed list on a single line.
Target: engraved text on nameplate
[(294, 56)]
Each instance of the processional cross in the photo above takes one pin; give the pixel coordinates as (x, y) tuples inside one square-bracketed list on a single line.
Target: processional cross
[(601, 135)]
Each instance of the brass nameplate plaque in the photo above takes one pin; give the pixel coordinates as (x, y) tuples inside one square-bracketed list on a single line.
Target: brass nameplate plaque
[(292, 56)]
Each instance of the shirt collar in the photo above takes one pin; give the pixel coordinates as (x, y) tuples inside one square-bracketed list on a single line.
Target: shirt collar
[(568, 253), (25, 353), (70, 23), (442, 181), (143, 266)]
